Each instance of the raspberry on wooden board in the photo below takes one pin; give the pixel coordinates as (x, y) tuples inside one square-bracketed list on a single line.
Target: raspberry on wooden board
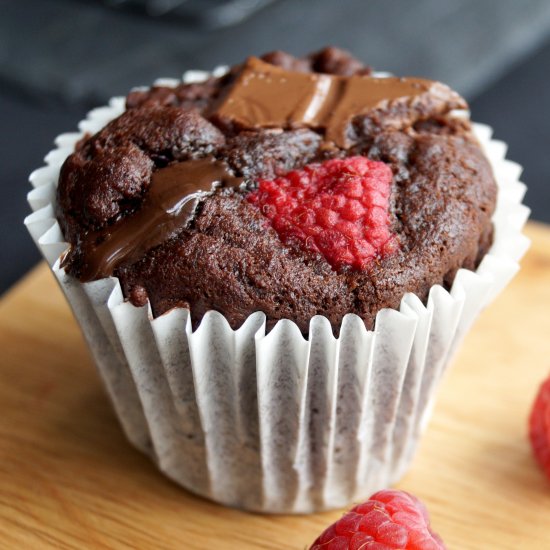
[(388, 520), (539, 426)]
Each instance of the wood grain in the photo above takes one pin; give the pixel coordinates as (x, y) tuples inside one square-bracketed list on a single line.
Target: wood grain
[(68, 478)]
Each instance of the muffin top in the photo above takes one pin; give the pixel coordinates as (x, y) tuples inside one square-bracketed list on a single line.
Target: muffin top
[(292, 186)]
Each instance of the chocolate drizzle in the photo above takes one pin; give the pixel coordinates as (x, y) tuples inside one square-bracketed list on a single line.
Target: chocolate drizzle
[(168, 206), (266, 96)]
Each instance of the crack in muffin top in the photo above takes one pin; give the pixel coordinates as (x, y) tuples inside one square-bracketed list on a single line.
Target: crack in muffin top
[(165, 197)]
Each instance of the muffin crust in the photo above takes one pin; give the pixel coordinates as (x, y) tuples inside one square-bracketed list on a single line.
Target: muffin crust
[(226, 257)]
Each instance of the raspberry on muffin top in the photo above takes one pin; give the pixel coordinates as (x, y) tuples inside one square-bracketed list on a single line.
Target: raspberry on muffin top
[(292, 186)]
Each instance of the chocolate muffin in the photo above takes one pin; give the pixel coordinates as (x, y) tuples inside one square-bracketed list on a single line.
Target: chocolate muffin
[(308, 191), (292, 186)]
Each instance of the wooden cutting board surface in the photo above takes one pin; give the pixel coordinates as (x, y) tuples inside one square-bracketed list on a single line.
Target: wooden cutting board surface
[(69, 479)]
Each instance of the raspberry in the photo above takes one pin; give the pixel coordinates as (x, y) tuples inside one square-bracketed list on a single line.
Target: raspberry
[(388, 520), (539, 426), (338, 208)]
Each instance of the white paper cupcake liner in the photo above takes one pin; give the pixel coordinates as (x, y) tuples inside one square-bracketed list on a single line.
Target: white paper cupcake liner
[(274, 422)]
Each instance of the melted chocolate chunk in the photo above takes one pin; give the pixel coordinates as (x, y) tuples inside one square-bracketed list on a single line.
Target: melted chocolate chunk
[(127, 198), (265, 96), (167, 208)]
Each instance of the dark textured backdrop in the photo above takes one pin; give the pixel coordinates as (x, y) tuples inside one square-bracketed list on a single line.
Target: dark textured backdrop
[(58, 58)]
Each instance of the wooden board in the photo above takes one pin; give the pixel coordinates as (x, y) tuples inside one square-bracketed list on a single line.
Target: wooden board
[(69, 479)]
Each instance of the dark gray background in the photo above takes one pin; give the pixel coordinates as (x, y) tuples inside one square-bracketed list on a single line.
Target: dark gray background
[(58, 58)]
